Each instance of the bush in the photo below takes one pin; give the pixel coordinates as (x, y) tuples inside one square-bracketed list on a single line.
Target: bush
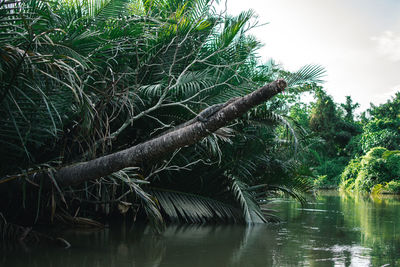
[(393, 162), (332, 169), (347, 185), (393, 187), (354, 147), (379, 166), (350, 174), (378, 189), (373, 170), (380, 132), (322, 181)]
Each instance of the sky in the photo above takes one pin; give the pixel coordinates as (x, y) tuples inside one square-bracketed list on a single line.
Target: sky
[(357, 41)]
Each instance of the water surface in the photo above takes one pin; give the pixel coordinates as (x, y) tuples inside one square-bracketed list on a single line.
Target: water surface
[(333, 230)]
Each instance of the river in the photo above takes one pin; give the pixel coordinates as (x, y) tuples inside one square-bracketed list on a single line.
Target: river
[(332, 230)]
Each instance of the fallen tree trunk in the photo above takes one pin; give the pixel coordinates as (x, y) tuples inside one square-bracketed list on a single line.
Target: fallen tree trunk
[(154, 148)]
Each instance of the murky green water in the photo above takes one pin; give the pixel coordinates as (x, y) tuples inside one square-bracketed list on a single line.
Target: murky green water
[(334, 230)]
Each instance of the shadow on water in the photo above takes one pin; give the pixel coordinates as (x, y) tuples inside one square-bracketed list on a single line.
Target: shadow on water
[(333, 230), (222, 245)]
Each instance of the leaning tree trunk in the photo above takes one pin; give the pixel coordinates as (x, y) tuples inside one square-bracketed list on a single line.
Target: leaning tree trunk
[(154, 148)]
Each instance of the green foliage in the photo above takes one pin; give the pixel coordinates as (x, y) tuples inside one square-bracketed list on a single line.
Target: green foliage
[(326, 120), (393, 161), (300, 112), (349, 108), (324, 116), (373, 170), (377, 189), (322, 182), (350, 174), (379, 166), (393, 187), (332, 168), (81, 79), (183, 207), (389, 110), (381, 132), (333, 135), (382, 126), (354, 147)]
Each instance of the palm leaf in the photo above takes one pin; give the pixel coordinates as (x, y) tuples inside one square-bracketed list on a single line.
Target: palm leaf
[(306, 74), (250, 209), (149, 203), (295, 188), (189, 208)]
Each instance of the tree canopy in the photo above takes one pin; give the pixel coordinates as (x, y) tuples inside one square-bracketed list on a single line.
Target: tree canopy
[(80, 80)]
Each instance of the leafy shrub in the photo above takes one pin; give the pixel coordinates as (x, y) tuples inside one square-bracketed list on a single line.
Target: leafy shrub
[(321, 181), (378, 166), (380, 132), (354, 147), (373, 170), (350, 174), (378, 189), (332, 169), (393, 161), (393, 187), (347, 185)]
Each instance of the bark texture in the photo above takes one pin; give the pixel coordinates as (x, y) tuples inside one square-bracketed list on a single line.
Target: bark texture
[(154, 148)]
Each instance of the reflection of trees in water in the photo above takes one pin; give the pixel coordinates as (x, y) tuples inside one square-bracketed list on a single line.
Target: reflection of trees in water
[(317, 235), (193, 245), (223, 245), (202, 245), (344, 230), (333, 230), (378, 219), (258, 247), (108, 247)]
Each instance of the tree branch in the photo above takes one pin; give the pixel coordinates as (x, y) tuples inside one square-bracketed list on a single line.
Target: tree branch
[(159, 146)]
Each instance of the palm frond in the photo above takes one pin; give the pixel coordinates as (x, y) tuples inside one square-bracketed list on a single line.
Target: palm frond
[(106, 9), (149, 203), (251, 211), (232, 27), (189, 208), (306, 74), (290, 192), (294, 132), (296, 188)]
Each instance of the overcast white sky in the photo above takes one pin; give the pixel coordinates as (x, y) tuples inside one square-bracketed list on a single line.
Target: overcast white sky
[(357, 41)]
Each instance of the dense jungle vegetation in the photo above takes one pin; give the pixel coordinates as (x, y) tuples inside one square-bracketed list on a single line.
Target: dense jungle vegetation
[(84, 79), (356, 153)]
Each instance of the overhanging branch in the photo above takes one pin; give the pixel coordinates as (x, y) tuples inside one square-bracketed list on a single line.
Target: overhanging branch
[(161, 145)]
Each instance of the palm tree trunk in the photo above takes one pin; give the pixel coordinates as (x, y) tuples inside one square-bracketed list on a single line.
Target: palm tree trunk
[(161, 145)]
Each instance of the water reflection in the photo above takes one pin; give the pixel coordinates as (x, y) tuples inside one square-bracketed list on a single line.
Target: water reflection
[(223, 245), (332, 231), (378, 220), (345, 230)]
